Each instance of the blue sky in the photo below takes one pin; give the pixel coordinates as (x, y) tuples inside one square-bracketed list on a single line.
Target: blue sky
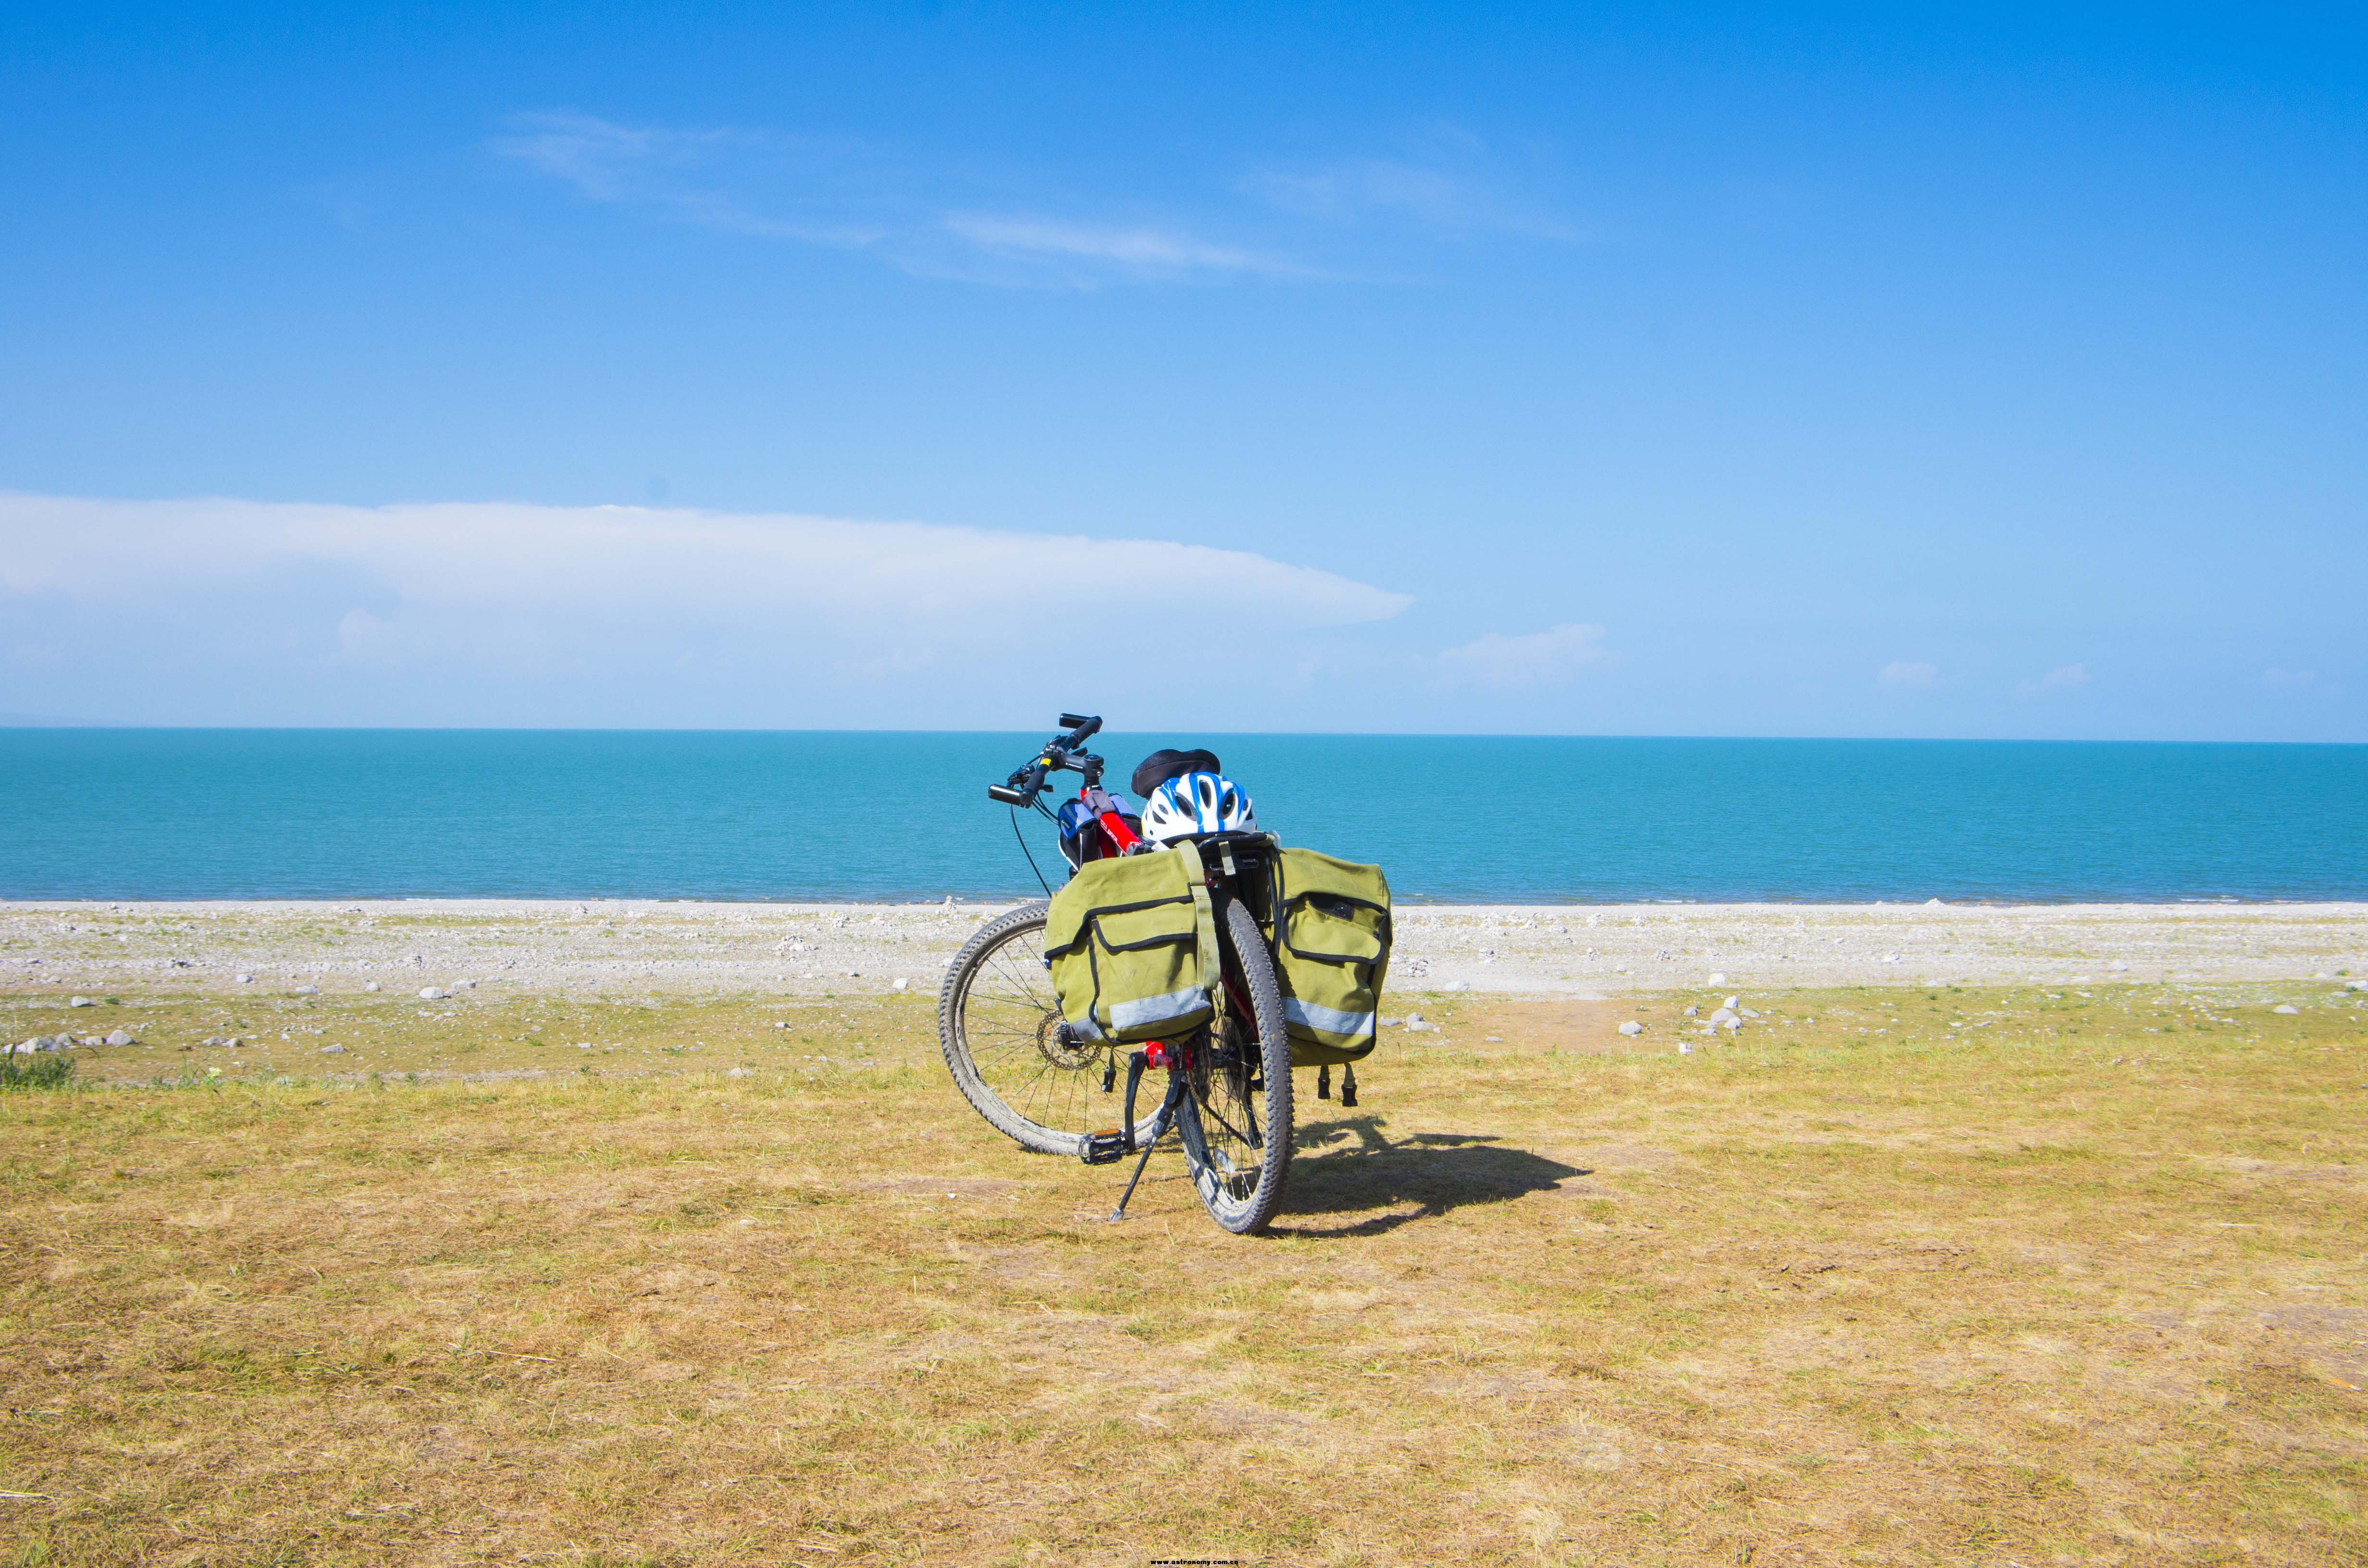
[(1623, 371)]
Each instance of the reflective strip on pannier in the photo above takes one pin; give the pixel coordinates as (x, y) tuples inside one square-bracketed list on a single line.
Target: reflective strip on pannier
[(1332, 952), (1131, 946), (1157, 1015), (1310, 1017)]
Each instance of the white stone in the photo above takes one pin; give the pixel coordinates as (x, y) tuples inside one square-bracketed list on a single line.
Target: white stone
[(306, 991), (1723, 1016), (333, 1051), (1685, 1048), (81, 1002), (2285, 1007), (1932, 904), (740, 1073), (1730, 1023), (433, 993), (247, 980), (1693, 1012), (1632, 1028), (1747, 1012), (1718, 980), (899, 985), (122, 1036), (1732, 1002)]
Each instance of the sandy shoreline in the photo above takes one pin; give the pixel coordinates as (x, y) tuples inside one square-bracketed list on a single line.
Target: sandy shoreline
[(627, 946)]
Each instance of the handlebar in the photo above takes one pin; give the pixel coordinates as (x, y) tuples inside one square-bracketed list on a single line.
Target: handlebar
[(1022, 787)]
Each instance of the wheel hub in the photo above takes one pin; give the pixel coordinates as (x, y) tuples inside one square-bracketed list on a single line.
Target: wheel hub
[(1061, 1047)]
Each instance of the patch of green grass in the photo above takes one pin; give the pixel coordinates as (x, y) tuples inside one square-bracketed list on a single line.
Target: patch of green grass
[(46, 1070)]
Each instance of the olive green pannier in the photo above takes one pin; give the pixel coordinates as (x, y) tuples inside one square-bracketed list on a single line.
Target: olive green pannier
[(1132, 947), (1331, 952)]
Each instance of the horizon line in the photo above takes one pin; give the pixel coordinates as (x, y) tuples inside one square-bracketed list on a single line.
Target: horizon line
[(29, 722)]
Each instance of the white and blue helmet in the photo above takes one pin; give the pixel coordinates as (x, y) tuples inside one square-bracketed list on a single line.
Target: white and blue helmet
[(1196, 802)]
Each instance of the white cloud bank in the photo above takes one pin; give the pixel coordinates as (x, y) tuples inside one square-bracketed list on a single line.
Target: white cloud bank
[(487, 597), (631, 557)]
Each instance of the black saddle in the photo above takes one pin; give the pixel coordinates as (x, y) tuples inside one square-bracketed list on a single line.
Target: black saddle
[(1163, 765)]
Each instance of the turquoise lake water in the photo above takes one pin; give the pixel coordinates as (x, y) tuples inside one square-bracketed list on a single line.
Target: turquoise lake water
[(328, 814)]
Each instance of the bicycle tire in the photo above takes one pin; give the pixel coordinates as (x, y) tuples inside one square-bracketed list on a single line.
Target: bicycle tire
[(998, 1028), (1241, 1199)]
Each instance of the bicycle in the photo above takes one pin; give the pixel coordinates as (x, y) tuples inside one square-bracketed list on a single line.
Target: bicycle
[(1037, 1081)]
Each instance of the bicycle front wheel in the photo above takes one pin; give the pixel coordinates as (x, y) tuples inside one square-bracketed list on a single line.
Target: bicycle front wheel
[(1235, 1123), (999, 1026)]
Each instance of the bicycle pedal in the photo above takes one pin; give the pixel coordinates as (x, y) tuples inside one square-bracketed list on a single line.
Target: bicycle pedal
[(1105, 1148)]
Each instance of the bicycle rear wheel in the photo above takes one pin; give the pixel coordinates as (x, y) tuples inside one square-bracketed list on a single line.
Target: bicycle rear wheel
[(1235, 1123), (999, 1026)]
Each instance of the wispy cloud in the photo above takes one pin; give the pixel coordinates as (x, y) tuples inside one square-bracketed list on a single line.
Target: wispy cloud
[(1553, 658), (940, 218), (1136, 248), (1446, 180), (700, 175), (2062, 678), (1902, 672), (852, 195), (609, 162)]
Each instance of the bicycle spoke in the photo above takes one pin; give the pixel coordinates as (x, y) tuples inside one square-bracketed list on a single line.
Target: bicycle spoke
[(1006, 1024)]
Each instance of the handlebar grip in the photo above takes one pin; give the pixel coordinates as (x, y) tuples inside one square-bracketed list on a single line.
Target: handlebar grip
[(1023, 787), (1080, 726)]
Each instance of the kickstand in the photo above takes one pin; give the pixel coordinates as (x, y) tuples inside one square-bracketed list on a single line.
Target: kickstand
[(1159, 1126), (1119, 1212)]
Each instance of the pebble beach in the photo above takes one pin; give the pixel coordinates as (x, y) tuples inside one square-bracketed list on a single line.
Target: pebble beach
[(791, 949)]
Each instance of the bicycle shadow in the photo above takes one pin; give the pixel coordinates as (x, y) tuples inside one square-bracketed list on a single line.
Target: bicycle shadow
[(1350, 1166)]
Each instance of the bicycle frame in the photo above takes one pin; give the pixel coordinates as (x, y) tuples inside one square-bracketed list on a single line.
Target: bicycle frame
[(1234, 864)]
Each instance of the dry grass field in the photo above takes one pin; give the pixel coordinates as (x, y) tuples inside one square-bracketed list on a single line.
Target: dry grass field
[(1900, 1276)]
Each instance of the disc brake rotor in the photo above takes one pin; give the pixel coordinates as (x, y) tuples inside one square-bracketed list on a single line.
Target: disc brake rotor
[(1061, 1047)]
